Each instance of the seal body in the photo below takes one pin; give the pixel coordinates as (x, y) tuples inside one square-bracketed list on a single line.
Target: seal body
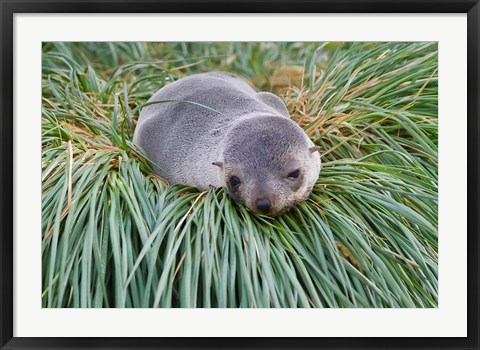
[(213, 129)]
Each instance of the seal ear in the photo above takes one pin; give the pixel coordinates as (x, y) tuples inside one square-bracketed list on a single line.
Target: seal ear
[(219, 164), (314, 149)]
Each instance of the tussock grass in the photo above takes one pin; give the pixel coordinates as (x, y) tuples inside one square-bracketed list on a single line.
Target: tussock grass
[(116, 235)]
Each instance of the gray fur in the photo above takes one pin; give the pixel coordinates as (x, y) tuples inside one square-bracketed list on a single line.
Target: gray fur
[(218, 118)]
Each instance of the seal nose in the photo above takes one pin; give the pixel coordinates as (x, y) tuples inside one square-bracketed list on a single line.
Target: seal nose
[(263, 204)]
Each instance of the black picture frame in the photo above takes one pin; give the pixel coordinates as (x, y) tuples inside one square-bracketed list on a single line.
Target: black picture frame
[(9, 7)]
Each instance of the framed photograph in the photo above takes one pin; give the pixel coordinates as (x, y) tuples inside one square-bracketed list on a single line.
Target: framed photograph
[(239, 174)]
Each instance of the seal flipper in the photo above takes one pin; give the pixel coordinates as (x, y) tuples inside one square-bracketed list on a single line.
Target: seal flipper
[(274, 102)]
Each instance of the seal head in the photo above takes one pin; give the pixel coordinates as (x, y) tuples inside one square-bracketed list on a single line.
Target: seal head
[(268, 164)]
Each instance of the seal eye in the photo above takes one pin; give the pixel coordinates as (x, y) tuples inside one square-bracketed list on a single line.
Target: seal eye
[(294, 175), (234, 183)]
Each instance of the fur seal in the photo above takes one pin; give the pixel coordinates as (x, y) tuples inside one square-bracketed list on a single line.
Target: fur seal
[(213, 129)]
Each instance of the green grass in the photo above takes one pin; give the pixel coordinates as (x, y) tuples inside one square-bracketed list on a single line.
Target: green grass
[(116, 235)]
